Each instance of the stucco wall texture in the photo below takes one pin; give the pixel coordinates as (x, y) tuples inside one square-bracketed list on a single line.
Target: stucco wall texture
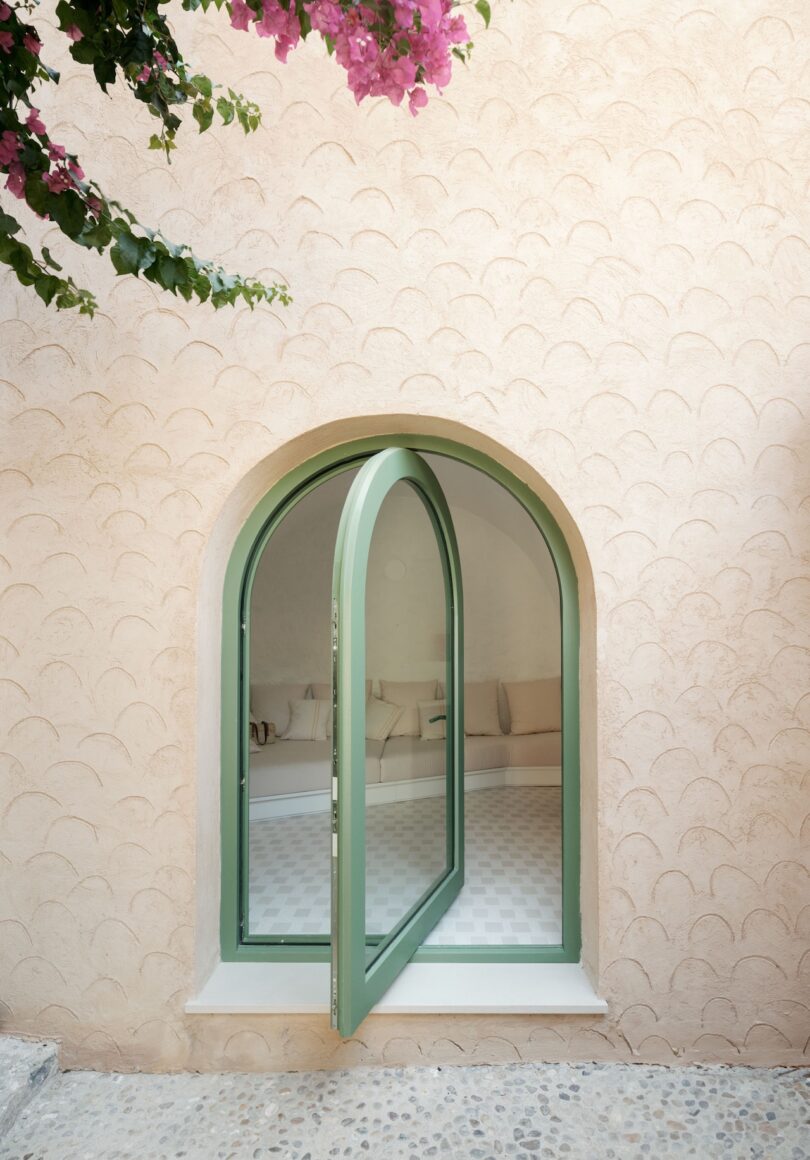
[(593, 251)]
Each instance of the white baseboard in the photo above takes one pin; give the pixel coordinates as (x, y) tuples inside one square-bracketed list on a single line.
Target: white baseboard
[(384, 792)]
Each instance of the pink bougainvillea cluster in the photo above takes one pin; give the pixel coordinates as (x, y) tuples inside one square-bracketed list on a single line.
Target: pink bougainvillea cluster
[(387, 50)]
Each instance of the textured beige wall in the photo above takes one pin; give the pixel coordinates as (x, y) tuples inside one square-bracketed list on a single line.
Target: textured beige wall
[(594, 252)]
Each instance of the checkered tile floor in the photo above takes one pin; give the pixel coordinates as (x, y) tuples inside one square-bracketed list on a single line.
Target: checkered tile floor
[(513, 883)]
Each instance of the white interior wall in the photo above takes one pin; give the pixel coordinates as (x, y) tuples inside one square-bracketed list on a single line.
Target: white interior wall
[(510, 588)]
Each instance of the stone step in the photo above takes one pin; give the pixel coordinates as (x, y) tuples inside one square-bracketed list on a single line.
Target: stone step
[(26, 1065)]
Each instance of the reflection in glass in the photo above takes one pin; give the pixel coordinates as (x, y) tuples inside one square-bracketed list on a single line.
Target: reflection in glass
[(406, 640), (289, 847)]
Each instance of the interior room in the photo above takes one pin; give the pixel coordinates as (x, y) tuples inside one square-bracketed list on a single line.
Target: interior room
[(512, 892)]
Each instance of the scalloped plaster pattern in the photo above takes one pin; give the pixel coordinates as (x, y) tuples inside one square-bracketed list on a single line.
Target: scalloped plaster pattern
[(594, 250)]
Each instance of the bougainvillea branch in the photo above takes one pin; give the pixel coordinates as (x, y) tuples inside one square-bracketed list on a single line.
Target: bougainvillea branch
[(389, 48)]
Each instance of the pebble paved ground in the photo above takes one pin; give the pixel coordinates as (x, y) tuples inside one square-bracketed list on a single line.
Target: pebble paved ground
[(527, 1111)]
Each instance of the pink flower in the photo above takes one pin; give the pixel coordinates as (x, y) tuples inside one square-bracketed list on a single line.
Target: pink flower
[(5, 11), (6, 41), (325, 17), (431, 12), (59, 180), (74, 33), (160, 61), (277, 21), (241, 15), (32, 43), (15, 182), (9, 147), (75, 169), (94, 205), (417, 100), (56, 152), (381, 56), (144, 75), (33, 122)]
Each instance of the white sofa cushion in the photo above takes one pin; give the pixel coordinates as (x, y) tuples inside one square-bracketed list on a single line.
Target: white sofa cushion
[(301, 766), (309, 721), (534, 706), (408, 694), (432, 720), (481, 717), (528, 750), (410, 758), (381, 717), (271, 703)]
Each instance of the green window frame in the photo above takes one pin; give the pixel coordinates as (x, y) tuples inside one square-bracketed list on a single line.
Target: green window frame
[(235, 945)]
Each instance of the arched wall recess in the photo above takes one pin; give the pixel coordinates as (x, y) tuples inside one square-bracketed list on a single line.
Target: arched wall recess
[(270, 487)]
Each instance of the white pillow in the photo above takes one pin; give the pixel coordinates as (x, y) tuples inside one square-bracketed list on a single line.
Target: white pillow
[(408, 694), (481, 717), (271, 703), (323, 692), (535, 706), (432, 720), (381, 717), (309, 720)]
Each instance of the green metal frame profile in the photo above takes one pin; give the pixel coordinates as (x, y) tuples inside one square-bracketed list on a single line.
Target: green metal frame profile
[(356, 983), (237, 943)]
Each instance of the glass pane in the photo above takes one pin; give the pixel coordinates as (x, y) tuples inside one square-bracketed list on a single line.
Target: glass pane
[(512, 893), (407, 850), (289, 842)]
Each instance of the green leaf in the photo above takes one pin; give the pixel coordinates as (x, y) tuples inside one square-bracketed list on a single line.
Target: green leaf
[(104, 69), (49, 259), (483, 9), (125, 254), (155, 142), (68, 211), (225, 110), (170, 272), (203, 113), (203, 84), (46, 286), (8, 225)]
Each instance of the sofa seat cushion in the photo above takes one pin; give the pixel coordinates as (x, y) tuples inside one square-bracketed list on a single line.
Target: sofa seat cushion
[(485, 753), (301, 766), (410, 758), (534, 749), (407, 758)]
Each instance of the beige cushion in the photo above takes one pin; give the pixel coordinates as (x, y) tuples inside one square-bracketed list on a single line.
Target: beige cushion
[(309, 721), (381, 717), (534, 749), (485, 753), (481, 718), (408, 694), (271, 703), (432, 720), (301, 766), (408, 758), (534, 706), (323, 691)]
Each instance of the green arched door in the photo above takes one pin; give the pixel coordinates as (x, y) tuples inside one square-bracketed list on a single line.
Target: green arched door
[(370, 948)]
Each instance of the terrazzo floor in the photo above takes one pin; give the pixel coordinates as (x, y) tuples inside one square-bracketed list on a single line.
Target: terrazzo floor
[(513, 868), (553, 1111)]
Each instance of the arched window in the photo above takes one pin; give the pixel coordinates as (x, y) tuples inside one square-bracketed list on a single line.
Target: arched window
[(400, 721)]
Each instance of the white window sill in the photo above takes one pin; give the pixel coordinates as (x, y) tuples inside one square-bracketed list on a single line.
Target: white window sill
[(422, 988)]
